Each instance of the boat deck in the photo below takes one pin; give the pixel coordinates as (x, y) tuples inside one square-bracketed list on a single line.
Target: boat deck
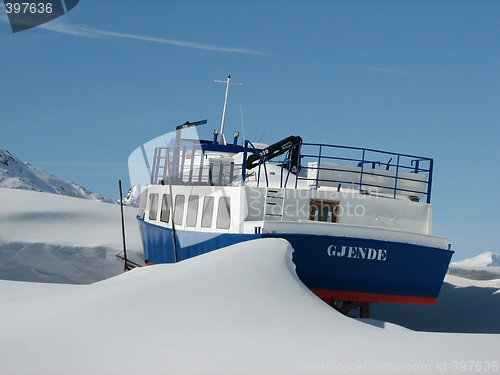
[(304, 165)]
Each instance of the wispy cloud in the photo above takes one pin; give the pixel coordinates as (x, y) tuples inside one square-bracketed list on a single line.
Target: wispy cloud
[(392, 71), (60, 26)]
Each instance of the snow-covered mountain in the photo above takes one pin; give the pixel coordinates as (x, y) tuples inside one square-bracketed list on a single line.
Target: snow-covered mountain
[(133, 196), (15, 174), (487, 259)]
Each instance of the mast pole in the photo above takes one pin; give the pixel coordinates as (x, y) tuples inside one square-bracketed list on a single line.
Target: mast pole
[(227, 82), (222, 138)]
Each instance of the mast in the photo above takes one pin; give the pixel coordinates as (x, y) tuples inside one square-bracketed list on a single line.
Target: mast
[(227, 82)]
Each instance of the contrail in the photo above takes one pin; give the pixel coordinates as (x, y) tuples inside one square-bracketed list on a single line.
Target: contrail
[(64, 28), (395, 71)]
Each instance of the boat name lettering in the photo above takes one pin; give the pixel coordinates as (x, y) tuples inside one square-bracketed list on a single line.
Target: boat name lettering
[(357, 252)]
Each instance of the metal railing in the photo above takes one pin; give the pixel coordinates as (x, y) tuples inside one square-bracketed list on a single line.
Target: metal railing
[(369, 171), (188, 166)]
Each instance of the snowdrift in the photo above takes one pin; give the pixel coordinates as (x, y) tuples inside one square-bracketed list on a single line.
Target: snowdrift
[(240, 309), (465, 306), (53, 238)]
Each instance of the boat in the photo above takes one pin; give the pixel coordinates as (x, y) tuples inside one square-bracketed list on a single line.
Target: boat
[(359, 219)]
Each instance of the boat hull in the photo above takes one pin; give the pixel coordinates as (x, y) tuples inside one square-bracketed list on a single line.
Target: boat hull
[(333, 267)]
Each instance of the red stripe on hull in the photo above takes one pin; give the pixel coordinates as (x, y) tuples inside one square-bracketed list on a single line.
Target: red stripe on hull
[(371, 297)]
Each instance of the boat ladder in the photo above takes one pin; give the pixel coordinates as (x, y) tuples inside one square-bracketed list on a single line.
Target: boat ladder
[(274, 204)]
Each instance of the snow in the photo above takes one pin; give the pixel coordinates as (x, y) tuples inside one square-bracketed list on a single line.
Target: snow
[(15, 174), (53, 238), (464, 306), (487, 259), (133, 196), (475, 272), (460, 282), (238, 310), (485, 266)]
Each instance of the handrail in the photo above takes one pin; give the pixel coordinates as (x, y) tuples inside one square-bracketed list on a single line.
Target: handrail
[(322, 165), (333, 165)]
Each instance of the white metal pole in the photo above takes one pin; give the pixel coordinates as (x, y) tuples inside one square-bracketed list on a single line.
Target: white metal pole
[(222, 138)]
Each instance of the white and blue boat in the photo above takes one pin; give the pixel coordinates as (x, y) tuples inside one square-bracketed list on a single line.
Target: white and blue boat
[(359, 220)]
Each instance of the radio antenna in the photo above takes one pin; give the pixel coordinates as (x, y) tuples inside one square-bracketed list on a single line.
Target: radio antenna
[(227, 82), (242, 125)]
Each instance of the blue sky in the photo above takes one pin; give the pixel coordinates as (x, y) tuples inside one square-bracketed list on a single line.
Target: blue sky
[(79, 94)]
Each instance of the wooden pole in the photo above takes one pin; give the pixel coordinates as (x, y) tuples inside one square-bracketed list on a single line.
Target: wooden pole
[(125, 267), (172, 208)]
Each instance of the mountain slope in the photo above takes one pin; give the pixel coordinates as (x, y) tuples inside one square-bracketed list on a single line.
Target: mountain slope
[(487, 259), (15, 174)]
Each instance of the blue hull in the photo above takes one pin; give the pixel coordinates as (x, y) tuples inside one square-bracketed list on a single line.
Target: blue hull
[(340, 268)]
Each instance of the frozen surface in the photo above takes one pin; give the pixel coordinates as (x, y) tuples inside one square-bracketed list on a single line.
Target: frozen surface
[(223, 312), (53, 238), (238, 310)]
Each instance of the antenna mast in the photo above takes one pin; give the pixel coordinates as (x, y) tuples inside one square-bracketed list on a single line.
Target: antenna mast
[(227, 82)]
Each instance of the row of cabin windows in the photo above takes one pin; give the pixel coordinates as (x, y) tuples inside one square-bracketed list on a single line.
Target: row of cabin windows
[(207, 212)]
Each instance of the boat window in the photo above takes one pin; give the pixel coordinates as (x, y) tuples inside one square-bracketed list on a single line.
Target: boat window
[(165, 208), (153, 206), (179, 209), (207, 213), (224, 213), (323, 210), (192, 211)]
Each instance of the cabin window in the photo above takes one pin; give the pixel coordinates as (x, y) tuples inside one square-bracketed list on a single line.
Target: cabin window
[(224, 213), (323, 210), (207, 213), (179, 209), (165, 208), (153, 206), (192, 212)]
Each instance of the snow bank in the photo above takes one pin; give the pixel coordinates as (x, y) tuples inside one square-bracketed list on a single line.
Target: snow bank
[(54, 238), (464, 306), (475, 273), (241, 309)]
